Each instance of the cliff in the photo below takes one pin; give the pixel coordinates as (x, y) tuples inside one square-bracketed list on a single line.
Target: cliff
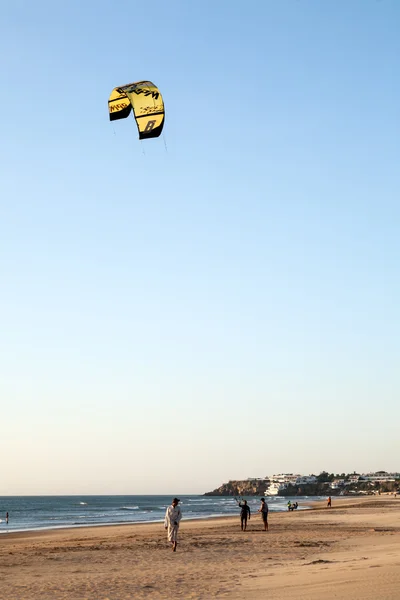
[(247, 487)]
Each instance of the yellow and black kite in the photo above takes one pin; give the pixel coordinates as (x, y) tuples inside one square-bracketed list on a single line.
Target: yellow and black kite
[(145, 99)]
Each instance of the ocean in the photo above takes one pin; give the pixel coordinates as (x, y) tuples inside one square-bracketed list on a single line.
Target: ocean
[(27, 513)]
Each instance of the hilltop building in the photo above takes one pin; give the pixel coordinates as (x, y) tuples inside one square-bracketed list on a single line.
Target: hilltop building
[(278, 483), (379, 476)]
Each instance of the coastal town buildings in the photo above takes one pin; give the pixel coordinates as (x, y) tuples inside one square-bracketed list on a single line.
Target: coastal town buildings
[(279, 482), (286, 484), (380, 477), (306, 479), (354, 478), (292, 479), (373, 478), (337, 483)]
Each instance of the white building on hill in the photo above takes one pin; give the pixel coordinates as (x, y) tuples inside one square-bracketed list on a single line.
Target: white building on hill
[(380, 476), (278, 483), (305, 479)]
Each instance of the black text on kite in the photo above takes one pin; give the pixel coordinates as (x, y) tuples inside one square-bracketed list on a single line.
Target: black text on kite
[(146, 102)]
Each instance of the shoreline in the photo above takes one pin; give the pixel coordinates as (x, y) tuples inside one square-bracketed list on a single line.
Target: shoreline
[(62, 528), (43, 531), (305, 504)]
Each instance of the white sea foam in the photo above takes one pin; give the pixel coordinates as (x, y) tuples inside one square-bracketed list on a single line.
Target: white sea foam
[(48, 513), (198, 500)]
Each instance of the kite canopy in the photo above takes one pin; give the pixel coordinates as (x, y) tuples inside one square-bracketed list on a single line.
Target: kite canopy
[(145, 99)]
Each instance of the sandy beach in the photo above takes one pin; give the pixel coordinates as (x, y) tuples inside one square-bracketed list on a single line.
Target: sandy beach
[(349, 551)]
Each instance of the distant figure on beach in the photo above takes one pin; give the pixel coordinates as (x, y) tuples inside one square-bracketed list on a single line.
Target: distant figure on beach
[(172, 519), (329, 502), (264, 513), (289, 505), (6, 517), (293, 506), (244, 513)]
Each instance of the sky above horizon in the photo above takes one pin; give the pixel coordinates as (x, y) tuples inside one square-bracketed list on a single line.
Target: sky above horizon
[(218, 303)]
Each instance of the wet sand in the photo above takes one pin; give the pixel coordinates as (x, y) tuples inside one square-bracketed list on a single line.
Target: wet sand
[(349, 551)]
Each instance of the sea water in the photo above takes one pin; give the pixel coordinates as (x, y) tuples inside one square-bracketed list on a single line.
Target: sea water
[(53, 512)]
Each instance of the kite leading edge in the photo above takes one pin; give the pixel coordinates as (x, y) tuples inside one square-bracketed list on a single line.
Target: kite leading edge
[(146, 103)]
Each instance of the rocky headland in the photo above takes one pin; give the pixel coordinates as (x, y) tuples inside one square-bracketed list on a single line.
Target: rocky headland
[(245, 487)]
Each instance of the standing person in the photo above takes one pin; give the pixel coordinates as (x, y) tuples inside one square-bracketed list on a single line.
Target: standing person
[(264, 513), (289, 505), (244, 513), (329, 505), (6, 517), (173, 516)]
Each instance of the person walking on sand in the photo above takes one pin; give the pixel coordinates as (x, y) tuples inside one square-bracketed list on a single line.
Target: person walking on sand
[(329, 505), (264, 513), (244, 513), (173, 516), (6, 517)]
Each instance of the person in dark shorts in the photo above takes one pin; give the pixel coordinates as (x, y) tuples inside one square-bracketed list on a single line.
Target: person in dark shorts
[(264, 513), (244, 513)]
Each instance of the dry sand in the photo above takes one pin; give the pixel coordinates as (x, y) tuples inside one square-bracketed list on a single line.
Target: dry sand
[(349, 551)]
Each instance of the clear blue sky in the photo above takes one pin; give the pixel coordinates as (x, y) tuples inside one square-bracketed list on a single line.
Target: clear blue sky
[(220, 303)]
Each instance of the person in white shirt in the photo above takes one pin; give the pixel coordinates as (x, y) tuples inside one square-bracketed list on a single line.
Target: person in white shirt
[(172, 519)]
